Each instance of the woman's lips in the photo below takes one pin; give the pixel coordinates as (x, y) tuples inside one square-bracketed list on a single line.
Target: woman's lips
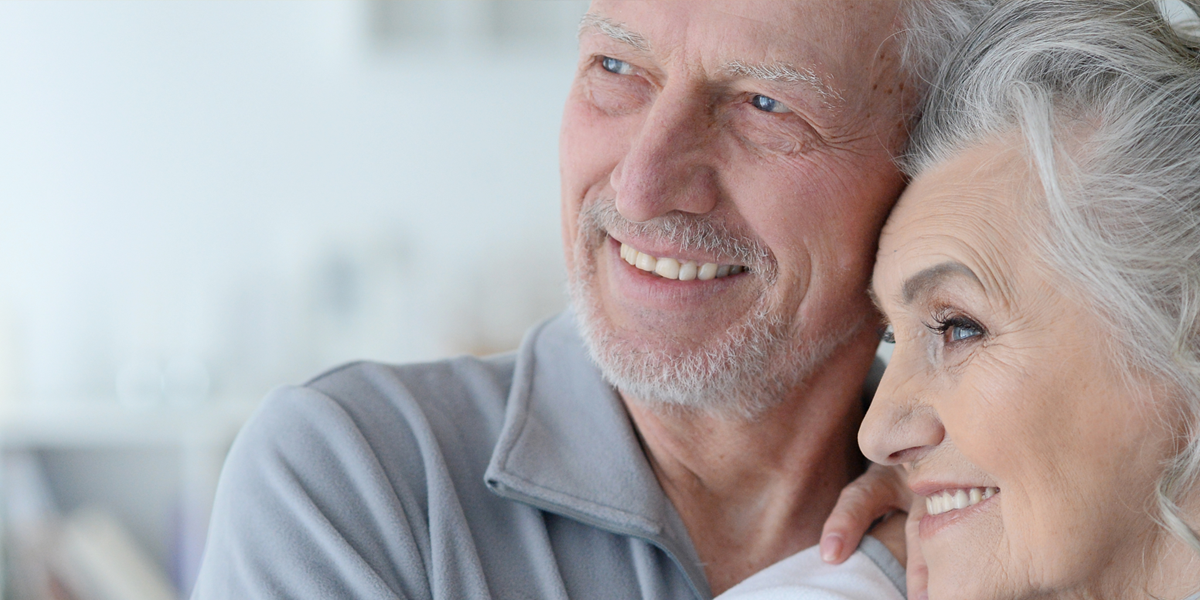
[(948, 500), (950, 505)]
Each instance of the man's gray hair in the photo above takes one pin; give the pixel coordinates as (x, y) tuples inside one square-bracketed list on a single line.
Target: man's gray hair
[(1105, 96)]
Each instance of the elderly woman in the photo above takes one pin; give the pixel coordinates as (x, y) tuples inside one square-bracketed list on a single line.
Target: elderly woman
[(1041, 281)]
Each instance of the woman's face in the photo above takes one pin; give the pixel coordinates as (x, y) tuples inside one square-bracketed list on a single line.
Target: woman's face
[(1003, 399)]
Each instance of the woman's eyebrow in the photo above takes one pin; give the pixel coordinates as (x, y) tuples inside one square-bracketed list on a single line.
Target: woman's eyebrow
[(929, 278)]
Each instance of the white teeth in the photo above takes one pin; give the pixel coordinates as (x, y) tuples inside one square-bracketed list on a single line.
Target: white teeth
[(645, 262), (949, 500), (667, 267), (960, 499), (688, 271), (672, 268), (629, 254)]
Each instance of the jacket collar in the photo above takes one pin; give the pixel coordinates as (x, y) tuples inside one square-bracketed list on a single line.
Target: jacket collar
[(568, 447)]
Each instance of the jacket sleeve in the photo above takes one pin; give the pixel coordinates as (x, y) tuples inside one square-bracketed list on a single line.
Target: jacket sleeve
[(304, 509)]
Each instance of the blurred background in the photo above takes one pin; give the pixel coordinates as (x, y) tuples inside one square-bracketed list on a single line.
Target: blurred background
[(202, 200)]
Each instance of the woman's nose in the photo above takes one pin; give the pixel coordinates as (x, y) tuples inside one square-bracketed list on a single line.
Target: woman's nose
[(669, 165), (901, 426)]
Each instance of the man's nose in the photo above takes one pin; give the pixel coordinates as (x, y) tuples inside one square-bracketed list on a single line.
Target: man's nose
[(900, 426), (669, 164)]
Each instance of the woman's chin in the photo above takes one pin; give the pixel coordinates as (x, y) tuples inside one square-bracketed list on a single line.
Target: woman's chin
[(961, 587), (965, 578), (960, 551), (970, 578)]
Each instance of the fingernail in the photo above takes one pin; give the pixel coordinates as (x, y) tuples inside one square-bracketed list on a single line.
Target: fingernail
[(923, 596), (831, 547)]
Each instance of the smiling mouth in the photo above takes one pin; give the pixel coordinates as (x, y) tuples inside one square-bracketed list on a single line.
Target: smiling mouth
[(674, 268), (948, 500)]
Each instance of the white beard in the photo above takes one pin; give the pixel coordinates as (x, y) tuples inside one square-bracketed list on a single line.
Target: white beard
[(752, 366)]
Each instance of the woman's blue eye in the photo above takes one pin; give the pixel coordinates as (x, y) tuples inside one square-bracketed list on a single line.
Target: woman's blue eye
[(766, 104), (613, 65), (962, 332), (887, 334), (955, 329)]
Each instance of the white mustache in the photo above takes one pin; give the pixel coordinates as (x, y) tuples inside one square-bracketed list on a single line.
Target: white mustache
[(688, 232)]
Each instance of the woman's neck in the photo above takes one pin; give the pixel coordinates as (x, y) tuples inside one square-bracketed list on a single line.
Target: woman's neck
[(1159, 565), (1168, 568), (1174, 569)]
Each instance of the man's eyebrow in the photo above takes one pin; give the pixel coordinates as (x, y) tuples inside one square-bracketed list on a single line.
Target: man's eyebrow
[(614, 30), (784, 73), (925, 280)]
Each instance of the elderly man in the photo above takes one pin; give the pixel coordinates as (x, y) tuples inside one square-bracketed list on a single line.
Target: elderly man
[(726, 168)]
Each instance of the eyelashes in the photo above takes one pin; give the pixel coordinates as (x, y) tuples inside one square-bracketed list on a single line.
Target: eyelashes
[(887, 333), (955, 328)]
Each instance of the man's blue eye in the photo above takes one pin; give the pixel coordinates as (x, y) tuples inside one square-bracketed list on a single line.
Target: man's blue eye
[(613, 65), (766, 104)]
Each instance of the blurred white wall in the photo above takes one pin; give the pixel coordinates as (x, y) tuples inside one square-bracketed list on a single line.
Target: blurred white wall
[(253, 191), (202, 200)]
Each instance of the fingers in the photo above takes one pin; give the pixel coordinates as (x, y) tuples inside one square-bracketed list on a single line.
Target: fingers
[(856, 508), (891, 532), (917, 571), (867, 498)]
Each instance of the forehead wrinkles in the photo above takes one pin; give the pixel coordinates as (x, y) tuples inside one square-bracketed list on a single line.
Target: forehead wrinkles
[(994, 267), (977, 209), (1001, 226), (986, 246), (789, 44)]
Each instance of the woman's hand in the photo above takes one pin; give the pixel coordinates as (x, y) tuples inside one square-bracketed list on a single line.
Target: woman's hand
[(875, 494), (879, 491)]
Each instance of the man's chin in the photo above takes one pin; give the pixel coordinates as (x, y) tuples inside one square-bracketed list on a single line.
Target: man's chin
[(744, 370), (754, 358)]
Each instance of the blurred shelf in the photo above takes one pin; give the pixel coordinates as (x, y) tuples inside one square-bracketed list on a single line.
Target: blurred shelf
[(107, 423)]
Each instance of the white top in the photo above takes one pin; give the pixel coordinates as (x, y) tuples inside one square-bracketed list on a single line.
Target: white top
[(871, 573)]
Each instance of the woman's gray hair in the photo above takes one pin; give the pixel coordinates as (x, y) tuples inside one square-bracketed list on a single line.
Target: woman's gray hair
[(931, 30), (1105, 95)]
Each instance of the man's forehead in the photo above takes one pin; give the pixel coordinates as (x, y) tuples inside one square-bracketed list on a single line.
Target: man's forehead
[(809, 42), (711, 25), (831, 24)]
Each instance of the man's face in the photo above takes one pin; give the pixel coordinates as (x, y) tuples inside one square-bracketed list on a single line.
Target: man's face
[(743, 151)]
